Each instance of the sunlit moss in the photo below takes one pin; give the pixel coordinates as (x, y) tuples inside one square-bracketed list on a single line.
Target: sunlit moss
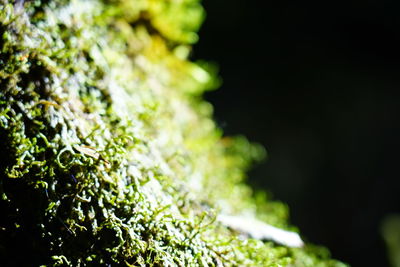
[(110, 156)]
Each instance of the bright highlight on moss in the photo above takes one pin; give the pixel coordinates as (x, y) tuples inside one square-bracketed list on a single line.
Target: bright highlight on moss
[(110, 155)]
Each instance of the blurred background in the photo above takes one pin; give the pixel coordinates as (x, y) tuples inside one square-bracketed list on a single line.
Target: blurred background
[(318, 84)]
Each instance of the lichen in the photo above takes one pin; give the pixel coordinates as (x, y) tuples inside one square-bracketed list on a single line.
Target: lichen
[(110, 154)]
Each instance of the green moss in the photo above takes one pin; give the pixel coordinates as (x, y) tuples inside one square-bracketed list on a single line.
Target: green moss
[(110, 155)]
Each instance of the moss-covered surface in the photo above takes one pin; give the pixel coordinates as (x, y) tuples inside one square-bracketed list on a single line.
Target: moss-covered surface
[(110, 156)]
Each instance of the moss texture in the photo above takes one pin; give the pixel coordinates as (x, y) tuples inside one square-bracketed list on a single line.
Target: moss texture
[(110, 157)]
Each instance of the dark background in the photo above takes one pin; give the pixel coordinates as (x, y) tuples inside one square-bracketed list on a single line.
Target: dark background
[(317, 83)]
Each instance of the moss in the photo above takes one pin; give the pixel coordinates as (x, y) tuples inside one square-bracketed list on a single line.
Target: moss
[(110, 155)]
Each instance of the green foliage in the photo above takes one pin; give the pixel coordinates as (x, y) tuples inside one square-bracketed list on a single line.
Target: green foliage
[(110, 156), (390, 230)]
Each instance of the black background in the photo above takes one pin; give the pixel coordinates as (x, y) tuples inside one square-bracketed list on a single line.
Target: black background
[(317, 83)]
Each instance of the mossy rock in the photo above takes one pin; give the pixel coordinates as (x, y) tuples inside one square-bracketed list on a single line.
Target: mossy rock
[(110, 156)]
